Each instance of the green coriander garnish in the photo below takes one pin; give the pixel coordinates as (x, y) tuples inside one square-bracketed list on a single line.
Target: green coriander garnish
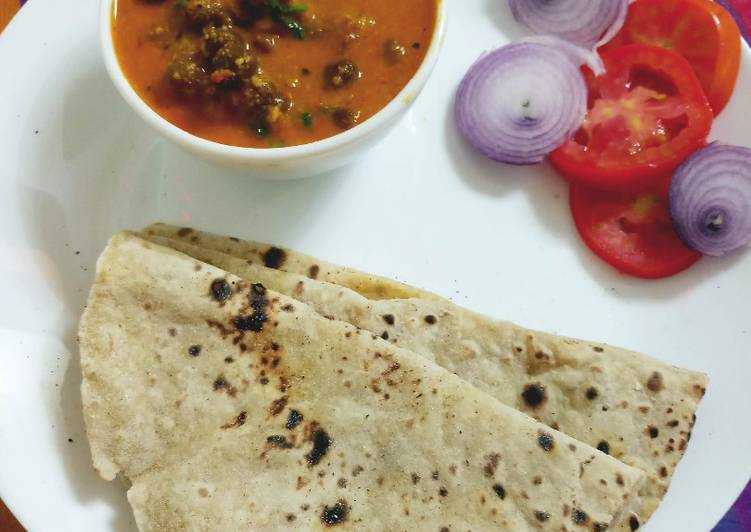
[(284, 15), (262, 132), (307, 119)]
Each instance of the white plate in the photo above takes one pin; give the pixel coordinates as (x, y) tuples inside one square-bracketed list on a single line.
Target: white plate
[(76, 165)]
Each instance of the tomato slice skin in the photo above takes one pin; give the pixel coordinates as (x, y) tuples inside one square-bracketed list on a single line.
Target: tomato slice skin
[(701, 31), (631, 232), (647, 114)]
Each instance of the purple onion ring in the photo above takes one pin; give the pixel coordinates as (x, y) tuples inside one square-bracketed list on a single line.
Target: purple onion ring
[(710, 199), (587, 23), (518, 103)]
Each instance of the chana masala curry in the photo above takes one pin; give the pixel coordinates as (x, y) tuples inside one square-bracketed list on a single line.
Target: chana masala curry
[(270, 73)]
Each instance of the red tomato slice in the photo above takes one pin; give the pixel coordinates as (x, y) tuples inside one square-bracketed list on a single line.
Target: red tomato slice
[(700, 30), (647, 114), (631, 232)]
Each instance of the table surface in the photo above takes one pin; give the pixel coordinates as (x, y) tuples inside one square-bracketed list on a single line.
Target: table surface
[(738, 519)]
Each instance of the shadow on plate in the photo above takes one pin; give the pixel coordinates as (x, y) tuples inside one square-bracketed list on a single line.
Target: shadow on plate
[(77, 454), (547, 195), (93, 169), (500, 13)]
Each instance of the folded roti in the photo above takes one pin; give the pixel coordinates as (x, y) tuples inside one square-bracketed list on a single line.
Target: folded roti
[(231, 407), (629, 405)]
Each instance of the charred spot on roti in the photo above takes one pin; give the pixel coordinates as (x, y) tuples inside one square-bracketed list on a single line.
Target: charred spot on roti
[(388, 318), (279, 441), (542, 516), (234, 239), (336, 514), (491, 464), (184, 231), (537, 480), (223, 331), (579, 517), (597, 349), (172, 331), (391, 369), (274, 257), (633, 523), (534, 395), (264, 381), (342, 482), (443, 492), (194, 350), (277, 405), (220, 290), (291, 517), (434, 475), (321, 444), (258, 303), (545, 441), (313, 271), (239, 421), (619, 479), (664, 472), (500, 491), (385, 335), (357, 470), (222, 385), (599, 527), (415, 478), (203, 492), (604, 447), (655, 382), (585, 463), (592, 393), (289, 307), (294, 418), (673, 423), (229, 360), (430, 319)]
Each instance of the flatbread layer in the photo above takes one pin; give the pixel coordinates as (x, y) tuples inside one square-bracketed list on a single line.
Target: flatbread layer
[(229, 406), (288, 260)]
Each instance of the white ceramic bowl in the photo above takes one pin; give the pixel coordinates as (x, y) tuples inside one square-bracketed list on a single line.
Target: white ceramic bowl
[(288, 162)]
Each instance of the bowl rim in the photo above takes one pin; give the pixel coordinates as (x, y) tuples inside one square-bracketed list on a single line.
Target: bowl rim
[(399, 104)]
